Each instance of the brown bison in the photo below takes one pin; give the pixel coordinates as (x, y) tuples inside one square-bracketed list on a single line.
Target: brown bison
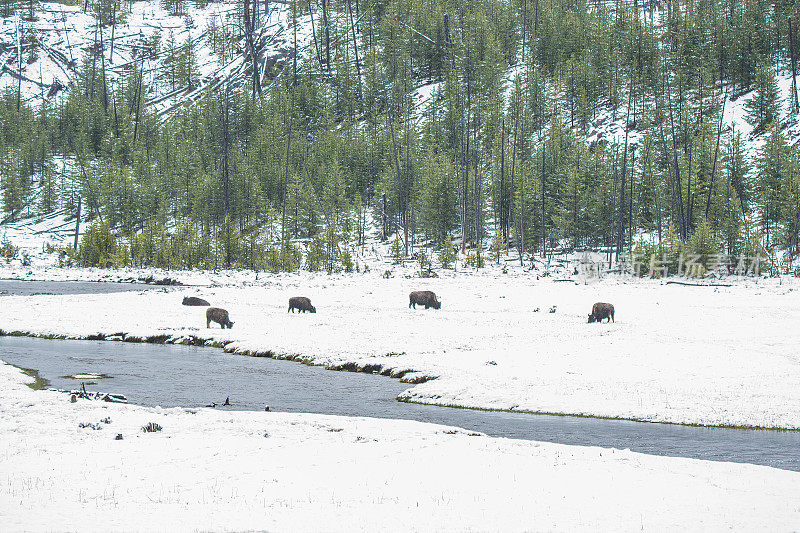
[(220, 316), (600, 311), (302, 304), (426, 298), (194, 300)]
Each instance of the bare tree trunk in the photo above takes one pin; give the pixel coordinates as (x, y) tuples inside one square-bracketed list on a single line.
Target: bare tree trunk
[(327, 34), (103, 63), (399, 179), (77, 223), (225, 152), (503, 207), (113, 29), (465, 169), (716, 153), (384, 222), (286, 174), (251, 49), (355, 44), (677, 174), (19, 60), (314, 33), (795, 103)]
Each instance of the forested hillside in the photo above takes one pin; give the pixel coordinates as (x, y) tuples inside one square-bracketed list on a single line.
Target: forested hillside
[(537, 124)]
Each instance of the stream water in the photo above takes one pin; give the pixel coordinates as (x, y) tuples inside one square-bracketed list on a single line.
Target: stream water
[(10, 287), (170, 375)]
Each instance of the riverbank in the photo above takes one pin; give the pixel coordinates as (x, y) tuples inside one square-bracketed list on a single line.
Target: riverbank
[(216, 470), (717, 356)]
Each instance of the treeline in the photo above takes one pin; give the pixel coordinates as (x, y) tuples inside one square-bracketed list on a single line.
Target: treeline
[(339, 141)]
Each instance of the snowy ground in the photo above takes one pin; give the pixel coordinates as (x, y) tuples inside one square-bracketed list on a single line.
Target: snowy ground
[(697, 355), (215, 470)]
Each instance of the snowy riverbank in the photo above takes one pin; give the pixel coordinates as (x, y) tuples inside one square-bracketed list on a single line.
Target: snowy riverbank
[(698, 355), (216, 470)]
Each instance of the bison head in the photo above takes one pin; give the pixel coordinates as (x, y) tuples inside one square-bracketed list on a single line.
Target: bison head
[(313, 309), (592, 318)]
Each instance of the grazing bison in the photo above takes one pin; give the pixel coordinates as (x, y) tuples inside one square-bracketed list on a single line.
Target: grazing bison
[(426, 298), (302, 304), (220, 316), (194, 300), (600, 311)]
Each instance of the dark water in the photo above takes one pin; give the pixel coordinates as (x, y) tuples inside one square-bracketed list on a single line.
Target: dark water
[(186, 376), (10, 287)]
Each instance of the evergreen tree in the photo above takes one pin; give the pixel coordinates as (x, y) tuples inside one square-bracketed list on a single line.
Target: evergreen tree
[(763, 107)]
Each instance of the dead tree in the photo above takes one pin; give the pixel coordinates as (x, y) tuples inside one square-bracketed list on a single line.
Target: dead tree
[(327, 34)]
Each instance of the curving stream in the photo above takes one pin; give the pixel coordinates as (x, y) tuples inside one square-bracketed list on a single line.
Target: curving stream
[(186, 376), (173, 375)]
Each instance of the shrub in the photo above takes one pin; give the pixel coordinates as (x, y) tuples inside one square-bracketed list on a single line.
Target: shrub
[(347, 260), (701, 251), (8, 251), (397, 252), (98, 247), (316, 253), (447, 257), (498, 244)]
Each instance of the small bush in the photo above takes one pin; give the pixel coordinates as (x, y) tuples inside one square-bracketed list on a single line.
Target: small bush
[(499, 245), (67, 257), (99, 247), (316, 253), (702, 251), (347, 260), (447, 256), (152, 427), (8, 251), (397, 252)]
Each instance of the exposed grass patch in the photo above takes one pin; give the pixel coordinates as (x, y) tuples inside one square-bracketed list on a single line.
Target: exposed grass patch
[(39, 383)]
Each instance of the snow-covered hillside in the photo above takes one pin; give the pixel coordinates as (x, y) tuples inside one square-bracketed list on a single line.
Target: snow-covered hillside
[(62, 36)]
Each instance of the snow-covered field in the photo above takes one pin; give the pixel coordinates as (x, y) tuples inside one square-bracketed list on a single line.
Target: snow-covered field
[(696, 355), (215, 470)]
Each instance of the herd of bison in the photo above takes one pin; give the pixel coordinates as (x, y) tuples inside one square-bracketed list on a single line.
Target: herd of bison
[(600, 310)]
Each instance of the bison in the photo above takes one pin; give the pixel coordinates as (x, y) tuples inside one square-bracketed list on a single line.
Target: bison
[(600, 311), (220, 316), (302, 304), (426, 298), (194, 300)]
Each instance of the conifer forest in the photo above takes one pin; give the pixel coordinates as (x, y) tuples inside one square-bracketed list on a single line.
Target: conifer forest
[(530, 127)]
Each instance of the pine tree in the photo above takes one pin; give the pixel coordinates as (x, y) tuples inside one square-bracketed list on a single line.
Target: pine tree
[(770, 177), (763, 107), (447, 255)]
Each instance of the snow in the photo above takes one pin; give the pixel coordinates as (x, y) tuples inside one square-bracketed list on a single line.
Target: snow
[(720, 356), (215, 470), (64, 34)]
